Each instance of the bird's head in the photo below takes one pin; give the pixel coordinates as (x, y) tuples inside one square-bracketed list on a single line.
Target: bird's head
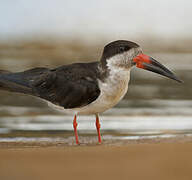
[(126, 54)]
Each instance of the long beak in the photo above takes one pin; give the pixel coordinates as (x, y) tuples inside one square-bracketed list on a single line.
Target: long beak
[(146, 62)]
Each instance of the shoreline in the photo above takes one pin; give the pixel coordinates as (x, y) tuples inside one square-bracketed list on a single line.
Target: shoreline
[(146, 159), (91, 141)]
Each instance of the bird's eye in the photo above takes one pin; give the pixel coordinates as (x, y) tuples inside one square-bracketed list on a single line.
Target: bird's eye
[(121, 49)]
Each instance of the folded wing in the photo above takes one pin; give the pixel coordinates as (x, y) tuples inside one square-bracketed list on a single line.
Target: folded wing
[(68, 86)]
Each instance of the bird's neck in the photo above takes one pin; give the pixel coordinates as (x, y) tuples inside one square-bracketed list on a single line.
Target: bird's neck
[(114, 74), (114, 67), (115, 85)]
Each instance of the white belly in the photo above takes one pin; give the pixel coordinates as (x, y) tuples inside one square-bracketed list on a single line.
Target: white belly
[(112, 91)]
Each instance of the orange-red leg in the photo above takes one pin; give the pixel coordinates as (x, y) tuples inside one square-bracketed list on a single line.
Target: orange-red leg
[(75, 129), (98, 126)]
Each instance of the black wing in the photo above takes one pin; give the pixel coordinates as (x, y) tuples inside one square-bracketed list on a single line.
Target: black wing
[(69, 86)]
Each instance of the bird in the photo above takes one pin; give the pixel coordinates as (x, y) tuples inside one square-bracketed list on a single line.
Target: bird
[(85, 88)]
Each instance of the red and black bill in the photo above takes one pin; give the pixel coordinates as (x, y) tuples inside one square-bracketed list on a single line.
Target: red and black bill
[(148, 63)]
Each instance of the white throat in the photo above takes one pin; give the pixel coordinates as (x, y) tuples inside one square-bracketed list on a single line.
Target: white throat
[(117, 80), (122, 60)]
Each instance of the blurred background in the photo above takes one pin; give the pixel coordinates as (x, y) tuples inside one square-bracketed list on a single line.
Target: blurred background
[(52, 33)]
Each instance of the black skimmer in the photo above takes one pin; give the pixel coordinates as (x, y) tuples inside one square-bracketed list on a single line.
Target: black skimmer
[(85, 88)]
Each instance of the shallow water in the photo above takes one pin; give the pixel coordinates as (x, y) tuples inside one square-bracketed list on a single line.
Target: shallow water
[(22, 124), (154, 107)]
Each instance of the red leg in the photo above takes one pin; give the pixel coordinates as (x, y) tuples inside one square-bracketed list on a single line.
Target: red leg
[(75, 129), (98, 128)]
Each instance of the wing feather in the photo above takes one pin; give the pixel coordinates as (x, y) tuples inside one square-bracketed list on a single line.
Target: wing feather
[(67, 87)]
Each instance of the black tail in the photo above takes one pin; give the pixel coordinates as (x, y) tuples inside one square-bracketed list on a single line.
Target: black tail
[(19, 82)]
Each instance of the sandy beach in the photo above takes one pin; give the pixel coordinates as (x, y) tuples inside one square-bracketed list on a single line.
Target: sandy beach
[(169, 158)]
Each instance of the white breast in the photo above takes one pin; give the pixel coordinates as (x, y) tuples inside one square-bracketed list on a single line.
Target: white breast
[(112, 91)]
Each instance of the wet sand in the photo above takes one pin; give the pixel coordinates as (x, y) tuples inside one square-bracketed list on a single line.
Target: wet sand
[(169, 158)]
